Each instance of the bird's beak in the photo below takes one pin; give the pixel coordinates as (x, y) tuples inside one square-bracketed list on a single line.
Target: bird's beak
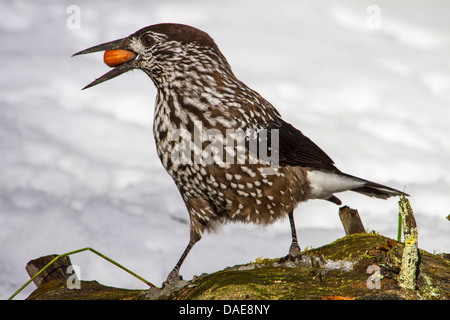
[(116, 55)]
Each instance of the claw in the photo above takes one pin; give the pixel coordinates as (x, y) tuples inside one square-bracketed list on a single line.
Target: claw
[(294, 255)]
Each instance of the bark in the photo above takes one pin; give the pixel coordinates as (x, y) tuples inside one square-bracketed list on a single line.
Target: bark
[(358, 266), (351, 220)]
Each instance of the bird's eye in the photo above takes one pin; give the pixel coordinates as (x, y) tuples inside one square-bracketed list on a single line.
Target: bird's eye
[(147, 40)]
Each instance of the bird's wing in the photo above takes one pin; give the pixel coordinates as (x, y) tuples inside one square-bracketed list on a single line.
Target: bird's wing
[(296, 149)]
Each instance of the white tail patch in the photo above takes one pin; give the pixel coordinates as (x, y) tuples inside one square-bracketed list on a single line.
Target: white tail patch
[(324, 184)]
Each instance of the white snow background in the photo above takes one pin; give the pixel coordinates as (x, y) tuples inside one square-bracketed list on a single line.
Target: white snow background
[(368, 81)]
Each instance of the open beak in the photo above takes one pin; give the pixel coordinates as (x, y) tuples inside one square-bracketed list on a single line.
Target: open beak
[(115, 56)]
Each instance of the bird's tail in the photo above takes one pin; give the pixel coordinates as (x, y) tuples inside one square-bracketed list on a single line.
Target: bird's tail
[(324, 184), (376, 190)]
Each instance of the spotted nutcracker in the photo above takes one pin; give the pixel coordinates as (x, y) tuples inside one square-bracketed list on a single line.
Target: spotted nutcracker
[(197, 95)]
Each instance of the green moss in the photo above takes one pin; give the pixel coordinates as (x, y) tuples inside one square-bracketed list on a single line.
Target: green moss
[(266, 279)]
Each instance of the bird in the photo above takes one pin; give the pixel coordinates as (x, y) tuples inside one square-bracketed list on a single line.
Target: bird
[(200, 106)]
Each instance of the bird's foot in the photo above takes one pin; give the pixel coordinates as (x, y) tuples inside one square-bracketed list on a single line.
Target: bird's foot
[(174, 282), (172, 277), (294, 255)]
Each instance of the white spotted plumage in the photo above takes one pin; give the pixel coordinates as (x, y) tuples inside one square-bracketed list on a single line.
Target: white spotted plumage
[(197, 93)]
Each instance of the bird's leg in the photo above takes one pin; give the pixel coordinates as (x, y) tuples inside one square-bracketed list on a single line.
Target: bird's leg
[(174, 281), (294, 249), (174, 275)]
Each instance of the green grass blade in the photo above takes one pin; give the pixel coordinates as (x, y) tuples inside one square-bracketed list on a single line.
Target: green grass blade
[(74, 252)]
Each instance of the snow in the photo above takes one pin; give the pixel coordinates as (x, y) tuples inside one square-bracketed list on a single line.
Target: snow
[(79, 168)]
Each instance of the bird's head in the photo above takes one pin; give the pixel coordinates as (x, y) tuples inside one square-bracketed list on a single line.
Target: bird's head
[(162, 51)]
